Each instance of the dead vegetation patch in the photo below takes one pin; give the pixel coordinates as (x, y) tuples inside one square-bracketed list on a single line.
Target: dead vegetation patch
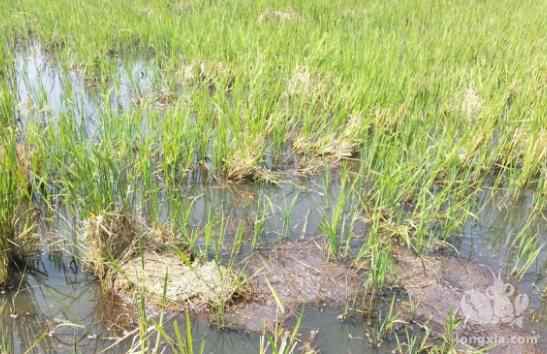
[(214, 75), (111, 238), (306, 83), (287, 15), (18, 240), (130, 257), (471, 104), (245, 164), (332, 146), (170, 279)]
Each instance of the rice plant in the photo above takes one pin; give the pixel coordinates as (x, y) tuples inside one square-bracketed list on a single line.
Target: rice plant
[(281, 341), (526, 248), (412, 344), (16, 224), (332, 224), (184, 343), (385, 325)]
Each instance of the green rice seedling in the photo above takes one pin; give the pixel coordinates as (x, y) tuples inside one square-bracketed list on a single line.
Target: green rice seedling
[(179, 143), (281, 341), (287, 215), (356, 217), (6, 343), (413, 344), (259, 223), (220, 236), (184, 344), (5, 60), (381, 265), (526, 248), (179, 213), (191, 238), (240, 289), (98, 181), (377, 252), (7, 106), (385, 325), (140, 336), (238, 240), (209, 231), (448, 341), (332, 226)]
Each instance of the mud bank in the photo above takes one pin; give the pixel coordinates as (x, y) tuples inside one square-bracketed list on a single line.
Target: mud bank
[(265, 289), (490, 309), (293, 273)]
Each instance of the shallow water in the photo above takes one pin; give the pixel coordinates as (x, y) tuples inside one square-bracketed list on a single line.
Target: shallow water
[(46, 91), (68, 311), (62, 293), (488, 239)]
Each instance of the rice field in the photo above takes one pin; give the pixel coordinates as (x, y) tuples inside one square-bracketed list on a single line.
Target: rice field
[(144, 142)]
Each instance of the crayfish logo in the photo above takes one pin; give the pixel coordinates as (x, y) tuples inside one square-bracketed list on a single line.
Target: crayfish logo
[(497, 304)]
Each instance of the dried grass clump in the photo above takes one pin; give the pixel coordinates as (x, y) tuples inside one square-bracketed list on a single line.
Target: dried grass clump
[(241, 167), (333, 146), (18, 240), (111, 239), (244, 168), (205, 72), (305, 83), (244, 164), (287, 15), (241, 172), (471, 103), (127, 255), (168, 277)]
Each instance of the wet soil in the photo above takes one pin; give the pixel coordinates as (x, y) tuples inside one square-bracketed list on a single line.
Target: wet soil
[(293, 273), (437, 284)]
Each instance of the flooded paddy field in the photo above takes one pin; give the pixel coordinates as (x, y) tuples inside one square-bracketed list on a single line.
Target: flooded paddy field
[(255, 177)]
